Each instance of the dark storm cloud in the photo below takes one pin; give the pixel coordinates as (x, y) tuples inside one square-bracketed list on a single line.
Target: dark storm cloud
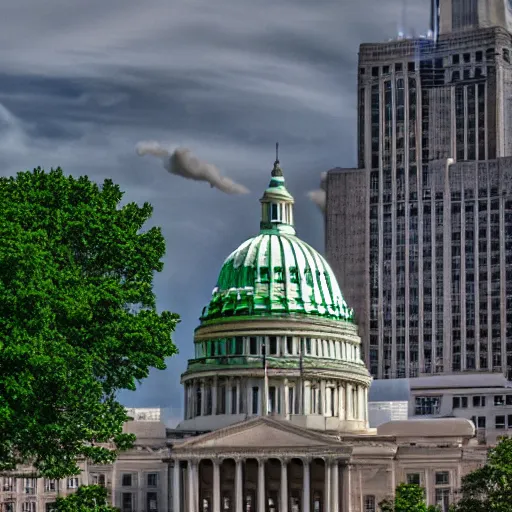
[(81, 84)]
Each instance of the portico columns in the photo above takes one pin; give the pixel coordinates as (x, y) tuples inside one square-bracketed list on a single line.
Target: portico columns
[(284, 485), (327, 486), (347, 486), (335, 487), (239, 492), (216, 485), (193, 487), (306, 495), (176, 484), (261, 486)]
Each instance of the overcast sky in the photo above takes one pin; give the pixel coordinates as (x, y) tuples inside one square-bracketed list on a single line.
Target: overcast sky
[(82, 82)]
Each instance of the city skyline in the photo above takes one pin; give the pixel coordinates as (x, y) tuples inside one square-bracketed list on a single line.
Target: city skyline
[(431, 287)]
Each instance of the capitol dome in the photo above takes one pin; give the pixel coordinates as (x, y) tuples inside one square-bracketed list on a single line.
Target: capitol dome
[(277, 337), (275, 272)]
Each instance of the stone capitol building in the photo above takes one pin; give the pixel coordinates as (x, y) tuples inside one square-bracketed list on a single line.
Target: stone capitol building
[(278, 390), (276, 416)]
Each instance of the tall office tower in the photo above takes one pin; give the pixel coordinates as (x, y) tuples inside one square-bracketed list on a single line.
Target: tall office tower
[(430, 237)]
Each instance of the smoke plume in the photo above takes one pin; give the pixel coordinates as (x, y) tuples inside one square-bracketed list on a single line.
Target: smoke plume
[(182, 162), (319, 196)]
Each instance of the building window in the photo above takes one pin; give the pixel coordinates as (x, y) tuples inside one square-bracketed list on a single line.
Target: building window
[(49, 507), (369, 503), (460, 402), (152, 479), (50, 485), (127, 502), (272, 345), (233, 400), (289, 345), (152, 502), (255, 393), (9, 483), (443, 498), (73, 483), (508, 399), (479, 401), (427, 405), (274, 212), (308, 346), (253, 346), (413, 478), (499, 400), (500, 422), (479, 421), (126, 480), (442, 478), (30, 485), (28, 506)]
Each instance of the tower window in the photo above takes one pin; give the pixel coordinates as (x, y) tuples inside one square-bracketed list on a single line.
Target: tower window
[(274, 212)]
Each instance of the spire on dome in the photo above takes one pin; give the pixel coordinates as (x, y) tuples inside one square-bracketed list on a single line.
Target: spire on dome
[(277, 203), (277, 171)]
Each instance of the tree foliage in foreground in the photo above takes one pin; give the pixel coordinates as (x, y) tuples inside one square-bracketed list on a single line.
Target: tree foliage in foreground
[(91, 498), (489, 488), (408, 498), (78, 320)]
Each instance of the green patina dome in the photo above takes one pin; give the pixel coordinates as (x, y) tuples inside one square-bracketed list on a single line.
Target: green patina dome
[(276, 273)]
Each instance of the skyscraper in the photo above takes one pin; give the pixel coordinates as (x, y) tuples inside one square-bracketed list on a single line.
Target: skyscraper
[(424, 222)]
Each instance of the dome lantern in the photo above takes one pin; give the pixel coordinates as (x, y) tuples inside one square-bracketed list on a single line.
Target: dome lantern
[(277, 204)]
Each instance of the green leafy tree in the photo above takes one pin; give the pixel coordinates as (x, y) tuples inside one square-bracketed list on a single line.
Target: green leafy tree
[(408, 498), (78, 320), (489, 488), (91, 498)]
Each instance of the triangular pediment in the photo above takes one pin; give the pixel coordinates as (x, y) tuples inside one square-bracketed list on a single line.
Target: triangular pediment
[(259, 433)]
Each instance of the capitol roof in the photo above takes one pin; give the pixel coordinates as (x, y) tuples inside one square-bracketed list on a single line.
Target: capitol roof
[(275, 272)]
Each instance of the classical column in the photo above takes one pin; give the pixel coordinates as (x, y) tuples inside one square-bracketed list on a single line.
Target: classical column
[(341, 402), (361, 402), (335, 491), (336, 404), (327, 486), (322, 399), (348, 402), (237, 397), (216, 485), (284, 485), (229, 391), (286, 401), (347, 488), (306, 495), (262, 506), (214, 396), (176, 486), (193, 491), (239, 487)]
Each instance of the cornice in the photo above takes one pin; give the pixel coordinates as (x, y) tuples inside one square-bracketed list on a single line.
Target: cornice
[(285, 325)]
